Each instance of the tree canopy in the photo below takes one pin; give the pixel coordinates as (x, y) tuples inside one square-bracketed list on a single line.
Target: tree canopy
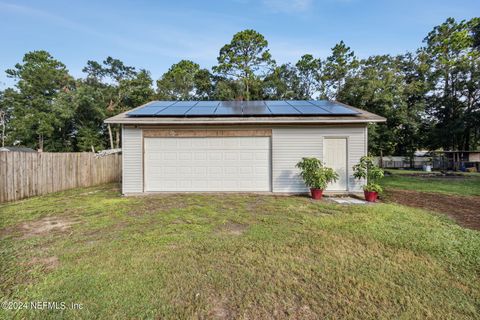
[(245, 59), (430, 97)]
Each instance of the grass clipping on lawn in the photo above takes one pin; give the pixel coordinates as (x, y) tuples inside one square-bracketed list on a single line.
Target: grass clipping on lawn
[(234, 256)]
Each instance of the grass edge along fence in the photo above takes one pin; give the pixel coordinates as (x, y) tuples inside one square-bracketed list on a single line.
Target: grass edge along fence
[(28, 174)]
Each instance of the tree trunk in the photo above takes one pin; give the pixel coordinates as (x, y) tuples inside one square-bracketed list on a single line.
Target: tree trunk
[(381, 158), (117, 138), (2, 120), (110, 136), (40, 142)]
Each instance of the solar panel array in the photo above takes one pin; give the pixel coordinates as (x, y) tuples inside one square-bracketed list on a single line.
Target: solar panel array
[(242, 108)]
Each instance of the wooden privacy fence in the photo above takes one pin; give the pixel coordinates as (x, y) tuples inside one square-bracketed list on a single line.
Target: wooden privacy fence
[(27, 174)]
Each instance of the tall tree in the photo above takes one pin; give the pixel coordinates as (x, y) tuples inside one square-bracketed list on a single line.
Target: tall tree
[(204, 86), (225, 89), (89, 104), (309, 71), (4, 117), (184, 81), (392, 87), (122, 87), (283, 83), (454, 101), (475, 26), (37, 120), (245, 59), (336, 70)]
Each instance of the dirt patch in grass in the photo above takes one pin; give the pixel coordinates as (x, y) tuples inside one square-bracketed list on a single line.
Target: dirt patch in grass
[(464, 210), (46, 263), (45, 226), (233, 228), (40, 227), (219, 310)]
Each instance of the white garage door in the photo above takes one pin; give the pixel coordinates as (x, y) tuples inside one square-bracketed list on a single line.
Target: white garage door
[(207, 164)]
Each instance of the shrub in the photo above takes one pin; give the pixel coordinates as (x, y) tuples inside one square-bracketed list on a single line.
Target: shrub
[(315, 174), (367, 169)]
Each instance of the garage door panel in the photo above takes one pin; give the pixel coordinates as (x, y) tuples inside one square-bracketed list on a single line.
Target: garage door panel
[(231, 155), (207, 164), (214, 155), (185, 156)]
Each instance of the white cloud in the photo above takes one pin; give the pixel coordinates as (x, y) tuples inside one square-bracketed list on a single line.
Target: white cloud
[(288, 5)]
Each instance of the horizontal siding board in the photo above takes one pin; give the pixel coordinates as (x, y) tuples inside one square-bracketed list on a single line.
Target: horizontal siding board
[(290, 144)]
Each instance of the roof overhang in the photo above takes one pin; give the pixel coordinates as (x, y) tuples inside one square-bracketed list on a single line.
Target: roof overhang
[(229, 120)]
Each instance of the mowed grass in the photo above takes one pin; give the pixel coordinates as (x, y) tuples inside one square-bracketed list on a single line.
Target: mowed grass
[(466, 184), (234, 256)]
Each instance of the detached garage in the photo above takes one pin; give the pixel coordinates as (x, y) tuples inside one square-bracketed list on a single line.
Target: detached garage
[(245, 146)]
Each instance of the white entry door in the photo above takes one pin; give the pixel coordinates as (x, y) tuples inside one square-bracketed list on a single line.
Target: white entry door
[(335, 156), (207, 164)]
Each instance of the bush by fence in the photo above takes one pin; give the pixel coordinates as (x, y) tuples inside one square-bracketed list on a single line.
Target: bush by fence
[(27, 174)]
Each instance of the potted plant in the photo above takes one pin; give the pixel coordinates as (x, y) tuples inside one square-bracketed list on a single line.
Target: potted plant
[(316, 175), (367, 170)]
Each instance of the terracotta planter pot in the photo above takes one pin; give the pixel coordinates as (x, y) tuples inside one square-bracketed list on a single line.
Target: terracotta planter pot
[(316, 193), (371, 196)]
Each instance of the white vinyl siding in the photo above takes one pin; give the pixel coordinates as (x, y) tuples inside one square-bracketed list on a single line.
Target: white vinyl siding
[(132, 180), (290, 144)]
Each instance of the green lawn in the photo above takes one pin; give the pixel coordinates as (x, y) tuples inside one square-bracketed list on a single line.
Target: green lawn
[(234, 256), (466, 184)]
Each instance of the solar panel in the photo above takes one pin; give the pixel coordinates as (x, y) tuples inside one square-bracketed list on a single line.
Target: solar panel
[(298, 103), (160, 103), (230, 104), (256, 110), (184, 104), (312, 110), (173, 111), (274, 103), (242, 108), (333, 108), (229, 111), (201, 111), (207, 104), (283, 110), (146, 111), (253, 104)]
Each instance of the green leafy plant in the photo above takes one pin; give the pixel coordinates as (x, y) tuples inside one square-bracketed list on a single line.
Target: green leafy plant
[(367, 169), (372, 187), (315, 174)]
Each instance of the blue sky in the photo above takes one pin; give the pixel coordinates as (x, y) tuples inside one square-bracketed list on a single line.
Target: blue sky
[(155, 34)]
